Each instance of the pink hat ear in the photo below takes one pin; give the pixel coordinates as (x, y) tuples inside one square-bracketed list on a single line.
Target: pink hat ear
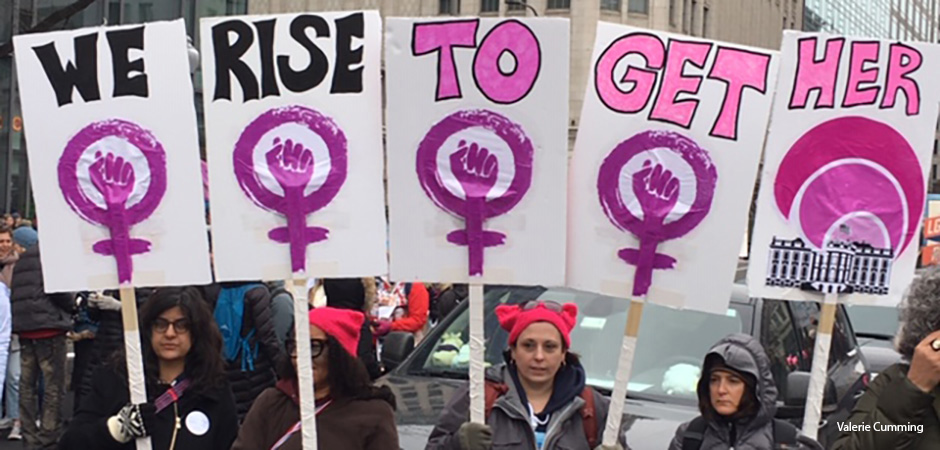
[(569, 313), (507, 315)]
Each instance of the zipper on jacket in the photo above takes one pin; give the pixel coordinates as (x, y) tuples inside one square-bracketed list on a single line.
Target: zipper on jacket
[(562, 417)]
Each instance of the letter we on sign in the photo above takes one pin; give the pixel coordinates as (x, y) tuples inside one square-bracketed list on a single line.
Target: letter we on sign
[(294, 133), (113, 156), (664, 165), (477, 144), (845, 175)]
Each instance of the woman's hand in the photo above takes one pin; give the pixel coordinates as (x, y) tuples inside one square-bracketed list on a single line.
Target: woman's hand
[(475, 436), (925, 364), (132, 421)]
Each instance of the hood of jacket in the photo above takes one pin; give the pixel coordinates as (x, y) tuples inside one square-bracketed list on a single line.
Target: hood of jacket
[(744, 354)]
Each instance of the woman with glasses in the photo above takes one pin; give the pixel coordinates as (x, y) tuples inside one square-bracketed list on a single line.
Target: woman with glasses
[(351, 413), (190, 404), (538, 399)]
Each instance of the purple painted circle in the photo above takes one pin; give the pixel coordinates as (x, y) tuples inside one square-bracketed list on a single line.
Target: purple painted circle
[(320, 124), (510, 132), (139, 137), (845, 145), (608, 187)]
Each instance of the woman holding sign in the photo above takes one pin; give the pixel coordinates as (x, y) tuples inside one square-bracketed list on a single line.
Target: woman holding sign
[(738, 398), (351, 413), (538, 399), (191, 404)]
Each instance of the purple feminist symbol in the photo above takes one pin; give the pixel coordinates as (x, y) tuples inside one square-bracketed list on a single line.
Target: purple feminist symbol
[(656, 186), (293, 165), (476, 169), (113, 177)]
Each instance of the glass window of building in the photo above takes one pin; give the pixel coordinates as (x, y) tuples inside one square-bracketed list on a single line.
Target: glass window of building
[(559, 4), (610, 5), (638, 6), (489, 6), (449, 7)]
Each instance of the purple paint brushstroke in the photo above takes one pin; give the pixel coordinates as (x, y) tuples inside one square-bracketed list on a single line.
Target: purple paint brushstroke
[(115, 178), (477, 170), (292, 164), (656, 189)]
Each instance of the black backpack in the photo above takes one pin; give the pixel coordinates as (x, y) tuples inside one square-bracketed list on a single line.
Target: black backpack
[(784, 434)]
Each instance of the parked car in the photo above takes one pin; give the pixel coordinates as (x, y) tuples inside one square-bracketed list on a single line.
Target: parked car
[(875, 328), (670, 349)]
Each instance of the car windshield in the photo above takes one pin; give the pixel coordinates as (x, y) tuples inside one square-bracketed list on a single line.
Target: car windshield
[(670, 346), (875, 321)]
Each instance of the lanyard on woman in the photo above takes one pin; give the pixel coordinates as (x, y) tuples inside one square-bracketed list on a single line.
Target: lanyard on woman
[(172, 395), (296, 427)]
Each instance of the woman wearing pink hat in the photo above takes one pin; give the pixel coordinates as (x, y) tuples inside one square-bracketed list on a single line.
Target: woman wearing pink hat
[(351, 413), (538, 399)]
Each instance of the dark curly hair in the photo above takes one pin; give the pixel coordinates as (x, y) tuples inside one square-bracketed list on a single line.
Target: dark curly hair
[(348, 377), (919, 312), (204, 364)]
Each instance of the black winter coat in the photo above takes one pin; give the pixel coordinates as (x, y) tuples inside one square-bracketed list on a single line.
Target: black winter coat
[(89, 429), (248, 385), (32, 308)]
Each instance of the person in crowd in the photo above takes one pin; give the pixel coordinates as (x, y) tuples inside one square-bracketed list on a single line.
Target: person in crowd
[(105, 310), (737, 399), (451, 295), (8, 255), (6, 327), (351, 413), (189, 406), (8, 221), (357, 294), (538, 399), (414, 300), (245, 318), (901, 407), (282, 312), (41, 320), (82, 336)]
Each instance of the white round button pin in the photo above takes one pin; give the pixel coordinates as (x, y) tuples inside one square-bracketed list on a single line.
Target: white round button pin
[(197, 423)]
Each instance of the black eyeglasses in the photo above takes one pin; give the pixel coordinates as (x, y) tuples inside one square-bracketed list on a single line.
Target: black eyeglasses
[(161, 325), (317, 346), (548, 304)]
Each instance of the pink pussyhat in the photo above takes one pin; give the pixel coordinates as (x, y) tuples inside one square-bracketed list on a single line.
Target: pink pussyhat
[(516, 318), (344, 325)]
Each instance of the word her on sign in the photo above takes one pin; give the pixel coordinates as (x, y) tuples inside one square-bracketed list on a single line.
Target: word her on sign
[(82, 74), (498, 84), (819, 70), (229, 56), (666, 68)]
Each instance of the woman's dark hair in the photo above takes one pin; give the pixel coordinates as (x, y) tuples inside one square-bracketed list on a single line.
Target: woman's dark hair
[(204, 364), (348, 377)]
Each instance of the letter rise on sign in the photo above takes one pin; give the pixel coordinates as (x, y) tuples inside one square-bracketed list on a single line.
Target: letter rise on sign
[(818, 67), (737, 69), (499, 84), (82, 74), (229, 54)]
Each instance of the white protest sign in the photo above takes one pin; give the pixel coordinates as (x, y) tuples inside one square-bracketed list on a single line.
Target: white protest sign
[(114, 156), (845, 174), (664, 166), (294, 134), (477, 149)]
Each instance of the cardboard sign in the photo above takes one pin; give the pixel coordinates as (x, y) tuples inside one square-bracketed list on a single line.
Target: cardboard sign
[(477, 145), (294, 134), (664, 166), (844, 182), (114, 156)]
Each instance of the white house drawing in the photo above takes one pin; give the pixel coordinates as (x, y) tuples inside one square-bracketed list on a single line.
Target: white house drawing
[(844, 267)]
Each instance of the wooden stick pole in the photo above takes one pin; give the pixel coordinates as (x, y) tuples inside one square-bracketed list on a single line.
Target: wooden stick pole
[(308, 416), (624, 369), (134, 357), (818, 375), (477, 367)]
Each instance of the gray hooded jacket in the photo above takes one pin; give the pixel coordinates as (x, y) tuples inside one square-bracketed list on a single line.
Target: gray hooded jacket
[(745, 354), (509, 420)]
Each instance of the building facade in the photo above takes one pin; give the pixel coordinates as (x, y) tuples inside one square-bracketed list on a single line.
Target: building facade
[(20, 16)]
